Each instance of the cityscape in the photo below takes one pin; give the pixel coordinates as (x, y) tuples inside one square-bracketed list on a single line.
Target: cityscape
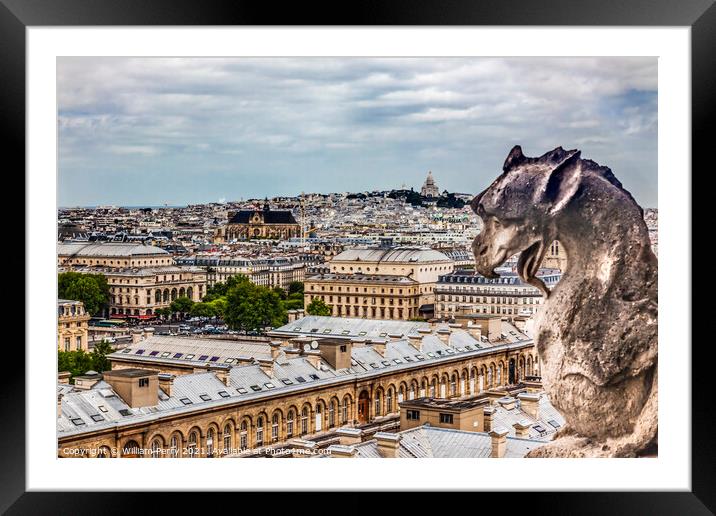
[(296, 323)]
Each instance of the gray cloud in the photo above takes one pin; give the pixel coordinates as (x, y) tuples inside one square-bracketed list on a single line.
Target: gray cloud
[(149, 131)]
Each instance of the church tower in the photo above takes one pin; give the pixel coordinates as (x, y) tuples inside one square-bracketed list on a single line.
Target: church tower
[(429, 188)]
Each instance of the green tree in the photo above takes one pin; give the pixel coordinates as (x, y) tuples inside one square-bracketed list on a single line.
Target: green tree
[(295, 287), (76, 362), (318, 307), (91, 289), (181, 305), (203, 309), (221, 289), (252, 307), (100, 362), (163, 312)]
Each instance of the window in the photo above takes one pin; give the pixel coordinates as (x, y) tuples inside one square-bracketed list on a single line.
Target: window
[(144, 382), (192, 448), (377, 404), (156, 449), (289, 423), (446, 418), (344, 411), (260, 431), (223, 394), (274, 428), (331, 414), (412, 415), (210, 443), (304, 421), (97, 418), (389, 401), (243, 434), (205, 397), (173, 446)]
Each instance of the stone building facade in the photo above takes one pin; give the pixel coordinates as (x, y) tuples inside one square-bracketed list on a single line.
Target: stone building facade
[(233, 424), (507, 296), (141, 278), (258, 224), (72, 325), (391, 283)]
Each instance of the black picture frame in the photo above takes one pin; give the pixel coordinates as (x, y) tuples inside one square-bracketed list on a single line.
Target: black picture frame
[(700, 15)]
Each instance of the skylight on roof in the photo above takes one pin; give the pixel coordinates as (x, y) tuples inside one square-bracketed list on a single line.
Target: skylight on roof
[(153, 353), (554, 423), (97, 418), (385, 362), (203, 357), (205, 397), (189, 357), (408, 359), (186, 401), (224, 394), (300, 379), (178, 355), (126, 350), (256, 388), (420, 357), (77, 421), (241, 390), (139, 352), (397, 361), (213, 359), (102, 408), (269, 385), (287, 381), (228, 360), (314, 377), (165, 354)]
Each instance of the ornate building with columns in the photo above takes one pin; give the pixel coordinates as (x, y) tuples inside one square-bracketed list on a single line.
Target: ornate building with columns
[(257, 224), (141, 278), (299, 387)]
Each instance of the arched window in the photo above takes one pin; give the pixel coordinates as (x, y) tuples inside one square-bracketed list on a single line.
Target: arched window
[(174, 446), (244, 436), (344, 411), (227, 439), (453, 385), (304, 421), (377, 404), (260, 431), (432, 388), (389, 401), (192, 446), (156, 449), (274, 428), (412, 392), (401, 394), (499, 374), (331, 414), (210, 443), (289, 423), (103, 453)]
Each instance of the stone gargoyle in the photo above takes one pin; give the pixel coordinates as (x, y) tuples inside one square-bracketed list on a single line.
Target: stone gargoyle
[(596, 334)]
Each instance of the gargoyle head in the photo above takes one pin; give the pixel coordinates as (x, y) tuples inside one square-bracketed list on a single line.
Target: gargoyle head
[(519, 210)]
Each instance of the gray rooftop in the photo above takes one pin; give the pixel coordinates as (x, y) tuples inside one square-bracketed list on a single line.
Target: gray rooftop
[(393, 255), (109, 249)]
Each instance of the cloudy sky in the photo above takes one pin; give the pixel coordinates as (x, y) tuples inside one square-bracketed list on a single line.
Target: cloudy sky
[(150, 131)]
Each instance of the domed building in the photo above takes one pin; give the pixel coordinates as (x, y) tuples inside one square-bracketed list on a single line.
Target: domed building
[(430, 189), (384, 283)]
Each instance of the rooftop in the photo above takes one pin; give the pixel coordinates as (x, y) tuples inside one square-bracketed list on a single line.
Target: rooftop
[(109, 249), (392, 255)]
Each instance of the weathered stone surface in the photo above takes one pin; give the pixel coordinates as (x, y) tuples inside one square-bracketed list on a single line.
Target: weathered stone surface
[(597, 333)]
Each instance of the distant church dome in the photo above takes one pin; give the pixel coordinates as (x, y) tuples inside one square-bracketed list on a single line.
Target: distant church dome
[(429, 188)]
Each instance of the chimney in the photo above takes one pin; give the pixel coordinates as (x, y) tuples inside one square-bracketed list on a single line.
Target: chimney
[(416, 341), (266, 365), (522, 428), (395, 336), (336, 353), (300, 313), (222, 373), (455, 326), (64, 377), (379, 346), (499, 442), (340, 451), (349, 436), (475, 331), (529, 403), (149, 332), (137, 387), (444, 335), (301, 448), (275, 349), (136, 336), (388, 444), (59, 405), (487, 414), (314, 357), (291, 315), (166, 382), (358, 343)]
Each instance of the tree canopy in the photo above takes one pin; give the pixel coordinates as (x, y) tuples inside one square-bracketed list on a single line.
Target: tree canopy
[(91, 289), (79, 362), (318, 307), (252, 307)]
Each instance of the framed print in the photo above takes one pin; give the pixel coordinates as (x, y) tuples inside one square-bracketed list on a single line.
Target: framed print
[(422, 233)]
